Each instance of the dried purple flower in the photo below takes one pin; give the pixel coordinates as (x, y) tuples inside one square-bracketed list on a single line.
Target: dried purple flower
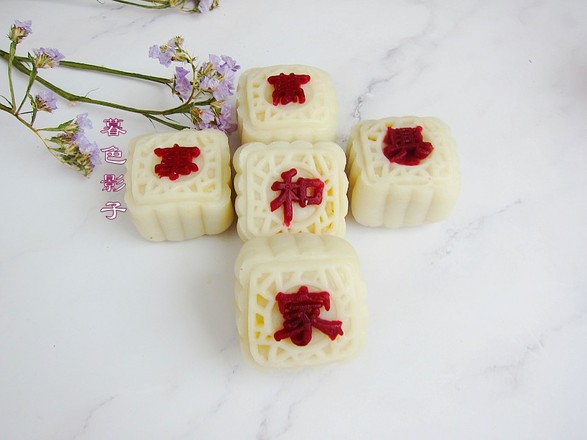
[(25, 26), (172, 51), (47, 58), (209, 83), (223, 90), (203, 118), (182, 86), (83, 122), (45, 101), (73, 147), (163, 53), (224, 64), (205, 5), (202, 93), (88, 148), (207, 116), (224, 119), (20, 30)]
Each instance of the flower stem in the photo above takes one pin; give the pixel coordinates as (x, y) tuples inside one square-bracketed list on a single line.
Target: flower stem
[(37, 133), (10, 83), (95, 68), (160, 4), (5, 108), (32, 77), (141, 5), (182, 108), (167, 123), (101, 69)]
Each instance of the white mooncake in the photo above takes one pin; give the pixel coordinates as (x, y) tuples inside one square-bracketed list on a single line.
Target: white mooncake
[(300, 300), (286, 102), (178, 184), (290, 187), (403, 171)]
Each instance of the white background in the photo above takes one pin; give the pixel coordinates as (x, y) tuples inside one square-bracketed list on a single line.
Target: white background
[(478, 324)]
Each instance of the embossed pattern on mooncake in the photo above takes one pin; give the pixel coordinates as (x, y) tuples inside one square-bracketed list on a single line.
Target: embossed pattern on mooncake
[(261, 167), (267, 266), (311, 118), (384, 193), (188, 206)]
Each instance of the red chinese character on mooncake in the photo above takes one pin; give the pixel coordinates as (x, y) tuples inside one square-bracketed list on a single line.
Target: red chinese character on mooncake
[(303, 191), (405, 146), (176, 161), (288, 88), (301, 313)]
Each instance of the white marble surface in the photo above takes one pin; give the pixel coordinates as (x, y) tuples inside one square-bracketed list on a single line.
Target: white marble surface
[(478, 325)]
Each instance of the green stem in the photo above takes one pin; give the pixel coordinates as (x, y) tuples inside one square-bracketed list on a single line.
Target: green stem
[(10, 83), (34, 116), (5, 108), (167, 123), (32, 77), (77, 98), (108, 70), (163, 5), (141, 5), (50, 129), (37, 133), (95, 68), (193, 90), (154, 115)]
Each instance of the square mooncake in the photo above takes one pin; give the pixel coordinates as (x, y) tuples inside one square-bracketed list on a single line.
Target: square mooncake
[(178, 184), (300, 300), (290, 187), (286, 103), (403, 171)]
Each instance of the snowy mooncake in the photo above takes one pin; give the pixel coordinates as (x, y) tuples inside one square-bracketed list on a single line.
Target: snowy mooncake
[(300, 300), (290, 187), (286, 102), (178, 184), (403, 171)]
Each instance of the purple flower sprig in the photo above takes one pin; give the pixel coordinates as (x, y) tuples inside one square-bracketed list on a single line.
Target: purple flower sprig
[(191, 6), (20, 30), (203, 90), (67, 142), (72, 147), (182, 86), (46, 58), (44, 101), (171, 51), (217, 81)]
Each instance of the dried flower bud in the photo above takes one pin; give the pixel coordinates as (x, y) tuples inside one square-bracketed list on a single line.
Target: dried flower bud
[(20, 30), (45, 101), (47, 58)]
